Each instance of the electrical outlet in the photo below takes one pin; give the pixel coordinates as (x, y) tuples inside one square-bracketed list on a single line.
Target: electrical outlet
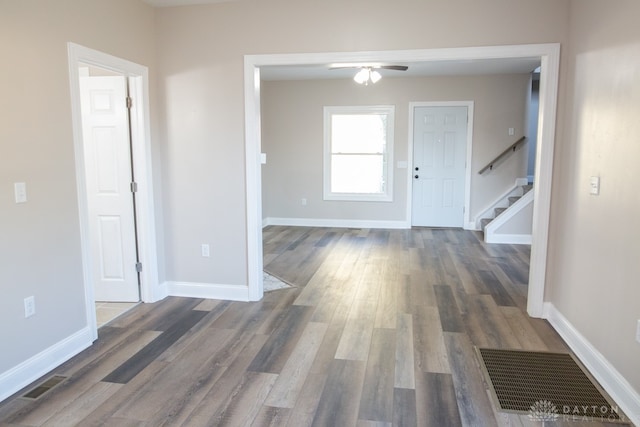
[(205, 250), (512, 131), (638, 332), (29, 306), (303, 202)]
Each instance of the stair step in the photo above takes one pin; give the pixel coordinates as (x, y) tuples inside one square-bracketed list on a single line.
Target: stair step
[(513, 199), (526, 188), (484, 222), (498, 211)]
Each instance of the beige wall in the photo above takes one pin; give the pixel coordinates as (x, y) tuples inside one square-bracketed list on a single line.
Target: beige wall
[(201, 86), (594, 268), (39, 240), (292, 137)]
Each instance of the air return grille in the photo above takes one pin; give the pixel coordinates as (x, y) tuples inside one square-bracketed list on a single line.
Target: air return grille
[(547, 386), (44, 387)]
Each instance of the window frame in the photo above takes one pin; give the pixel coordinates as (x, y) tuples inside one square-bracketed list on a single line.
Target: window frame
[(329, 112)]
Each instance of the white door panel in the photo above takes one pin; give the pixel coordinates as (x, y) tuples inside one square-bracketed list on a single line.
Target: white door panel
[(108, 176), (439, 157)]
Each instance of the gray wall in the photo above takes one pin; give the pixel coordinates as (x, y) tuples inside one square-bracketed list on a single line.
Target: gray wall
[(292, 132)]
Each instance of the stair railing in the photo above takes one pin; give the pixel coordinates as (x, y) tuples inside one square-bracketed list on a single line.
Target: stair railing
[(511, 149)]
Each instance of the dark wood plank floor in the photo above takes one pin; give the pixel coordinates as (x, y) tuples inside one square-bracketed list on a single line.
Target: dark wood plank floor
[(379, 330)]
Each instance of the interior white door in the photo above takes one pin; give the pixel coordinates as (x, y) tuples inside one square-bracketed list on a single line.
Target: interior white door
[(107, 158), (439, 162)]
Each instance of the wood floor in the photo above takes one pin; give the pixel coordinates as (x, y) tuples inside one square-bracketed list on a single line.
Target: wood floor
[(379, 331)]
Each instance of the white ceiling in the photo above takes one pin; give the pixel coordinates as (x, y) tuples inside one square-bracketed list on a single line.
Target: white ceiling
[(416, 69)]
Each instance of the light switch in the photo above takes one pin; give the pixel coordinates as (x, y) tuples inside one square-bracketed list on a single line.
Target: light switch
[(594, 184), (20, 189), (512, 131), (263, 158)]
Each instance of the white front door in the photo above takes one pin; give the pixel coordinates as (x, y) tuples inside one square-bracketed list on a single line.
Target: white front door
[(439, 157), (107, 158)]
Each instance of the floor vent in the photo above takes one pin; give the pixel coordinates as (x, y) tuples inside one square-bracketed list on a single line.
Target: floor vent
[(546, 386), (44, 387)]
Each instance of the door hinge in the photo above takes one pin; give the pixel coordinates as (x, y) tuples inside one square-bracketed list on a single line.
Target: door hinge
[(129, 102), (134, 187), (139, 267)]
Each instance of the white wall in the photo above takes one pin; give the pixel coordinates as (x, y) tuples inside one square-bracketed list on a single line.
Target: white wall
[(594, 268), (292, 137), (39, 240)]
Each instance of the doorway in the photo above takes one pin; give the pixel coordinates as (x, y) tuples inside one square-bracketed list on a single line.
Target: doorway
[(135, 78), (549, 56), (441, 143), (111, 202)]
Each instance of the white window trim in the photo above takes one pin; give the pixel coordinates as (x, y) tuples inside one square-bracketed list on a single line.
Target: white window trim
[(389, 110)]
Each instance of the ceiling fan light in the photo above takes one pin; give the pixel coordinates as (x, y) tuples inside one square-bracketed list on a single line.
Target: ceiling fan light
[(362, 77), (374, 76)]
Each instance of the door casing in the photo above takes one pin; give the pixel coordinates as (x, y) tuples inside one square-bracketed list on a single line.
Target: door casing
[(138, 76), (549, 54)]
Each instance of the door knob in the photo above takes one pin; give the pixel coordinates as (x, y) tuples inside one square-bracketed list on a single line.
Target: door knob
[(416, 176), (417, 168)]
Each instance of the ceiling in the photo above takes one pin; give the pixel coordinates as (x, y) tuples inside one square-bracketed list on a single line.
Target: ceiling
[(416, 69)]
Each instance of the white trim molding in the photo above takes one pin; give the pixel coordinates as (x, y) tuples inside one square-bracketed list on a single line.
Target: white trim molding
[(335, 223), (549, 54), (33, 368), (207, 290), (138, 77), (488, 211), (603, 371), (467, 174), (491, 234)]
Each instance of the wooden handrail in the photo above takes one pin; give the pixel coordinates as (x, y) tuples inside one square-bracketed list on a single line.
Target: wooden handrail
[(506, 152)]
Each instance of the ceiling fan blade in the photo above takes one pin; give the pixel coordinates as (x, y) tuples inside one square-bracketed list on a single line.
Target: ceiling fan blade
[(372, 66), (393, 67)]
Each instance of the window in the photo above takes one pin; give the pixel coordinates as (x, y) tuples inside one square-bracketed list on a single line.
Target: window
[(358, 150)]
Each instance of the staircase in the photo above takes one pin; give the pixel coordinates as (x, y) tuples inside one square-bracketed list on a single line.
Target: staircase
[(510, 200), (512, 218)]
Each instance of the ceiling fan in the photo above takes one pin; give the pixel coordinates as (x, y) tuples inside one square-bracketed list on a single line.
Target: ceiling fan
[(368, 72)]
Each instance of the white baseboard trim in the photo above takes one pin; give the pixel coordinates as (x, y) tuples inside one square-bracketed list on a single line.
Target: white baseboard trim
[(35, 367), (608, 377), (509, 239), (160, 292), (336, 223), (207, 290)]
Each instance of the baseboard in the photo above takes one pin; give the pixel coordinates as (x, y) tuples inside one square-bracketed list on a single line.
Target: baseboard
[(35, 367), (508, 239), (162, 291), (336, 223), (208, 290), (608, 377)]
